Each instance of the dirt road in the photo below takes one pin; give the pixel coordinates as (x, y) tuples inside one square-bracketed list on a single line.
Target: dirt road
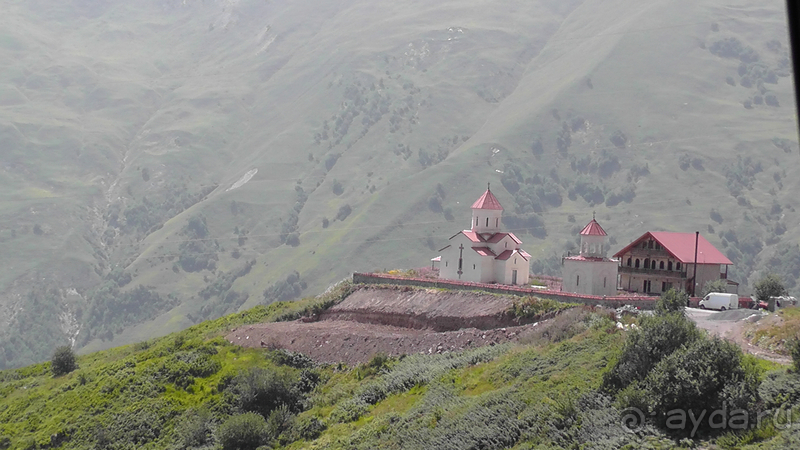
[(733, 325)]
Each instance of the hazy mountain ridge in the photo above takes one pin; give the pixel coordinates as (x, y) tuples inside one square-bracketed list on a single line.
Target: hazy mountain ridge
[(124, 123)]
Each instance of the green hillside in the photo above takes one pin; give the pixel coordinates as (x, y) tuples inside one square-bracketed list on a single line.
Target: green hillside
[(167, 162), (558, 389)]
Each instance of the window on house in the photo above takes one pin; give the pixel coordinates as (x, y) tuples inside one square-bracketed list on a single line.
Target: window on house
[(678, 265), (515, 260), (658, 246), (604, 281), (577, 280), (497, 222), (476, 221), (661, 265), (650, 244), (663, 286), (445, 263), (473, 267), (506, 244), (669, 265), (637, 263), (647, 263), (629, 262), (487, 221), (653, 265)]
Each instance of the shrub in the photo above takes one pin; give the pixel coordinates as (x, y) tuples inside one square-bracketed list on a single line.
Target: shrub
[(194, 428), (657, 337), (262, 391), (63, 361), (794, 349), (343, 212), (338, 189), (307, 428), (780, 388), (672, 301), (619, 139), (769, 286), (246, 431), (702, 376)]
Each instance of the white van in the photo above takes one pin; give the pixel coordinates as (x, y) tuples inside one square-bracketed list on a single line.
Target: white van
[(721, 301)]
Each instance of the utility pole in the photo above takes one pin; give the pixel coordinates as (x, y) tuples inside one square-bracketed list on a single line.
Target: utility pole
[(694, 276)]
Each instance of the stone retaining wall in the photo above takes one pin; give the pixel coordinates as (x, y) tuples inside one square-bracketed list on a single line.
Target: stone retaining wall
[(612, 302)]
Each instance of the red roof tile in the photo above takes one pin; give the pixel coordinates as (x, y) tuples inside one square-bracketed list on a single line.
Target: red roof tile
[(487, 201), (471, 235), (505, 255), (483, 251), (681, 247), (497, 237), (593, 229), (525, 255)]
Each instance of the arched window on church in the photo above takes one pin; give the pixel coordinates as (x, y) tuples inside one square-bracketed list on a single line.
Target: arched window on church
[(637, 263), (653, 265), (629, 262), (497, 222), (661, 265), (577, 280), (669, 265), (647, 263), (487, 221)]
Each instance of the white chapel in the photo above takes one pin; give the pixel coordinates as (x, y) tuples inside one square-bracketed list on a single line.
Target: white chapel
[(591, 272), (485, 254)]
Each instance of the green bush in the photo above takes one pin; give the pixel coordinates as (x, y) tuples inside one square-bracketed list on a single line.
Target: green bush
[(194, 429), (63, 361), (700, 377), (672, 301), (780, 388), (246, 431), (657, 337), (262, 391), (794, 349), (769, 286)]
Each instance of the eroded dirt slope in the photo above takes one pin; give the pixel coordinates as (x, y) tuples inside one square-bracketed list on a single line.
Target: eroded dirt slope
[(395, 321)]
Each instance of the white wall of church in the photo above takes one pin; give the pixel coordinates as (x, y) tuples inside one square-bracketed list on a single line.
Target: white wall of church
[(590, 277), (471, 267), (486, 220)]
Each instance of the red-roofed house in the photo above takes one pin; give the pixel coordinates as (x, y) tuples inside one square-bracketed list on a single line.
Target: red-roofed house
[(590, 272), (484, 254), (659, 260)]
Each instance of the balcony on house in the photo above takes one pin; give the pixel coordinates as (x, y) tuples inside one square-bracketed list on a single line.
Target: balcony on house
[(662, 273)]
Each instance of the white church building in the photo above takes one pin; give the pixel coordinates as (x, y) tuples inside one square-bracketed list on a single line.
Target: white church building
[(591, 272), (484, 253)]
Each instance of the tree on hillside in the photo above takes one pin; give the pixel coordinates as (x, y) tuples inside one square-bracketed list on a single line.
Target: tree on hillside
[(63, 361), (768, 286), (672, 301)]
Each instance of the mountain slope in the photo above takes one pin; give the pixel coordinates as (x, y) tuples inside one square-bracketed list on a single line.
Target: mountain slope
[(176, 161)]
